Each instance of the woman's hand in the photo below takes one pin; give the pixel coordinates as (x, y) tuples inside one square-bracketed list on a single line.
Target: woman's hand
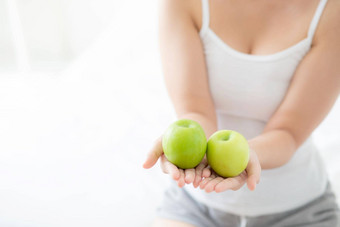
[(179, 175), (196, 174), (251, 176)]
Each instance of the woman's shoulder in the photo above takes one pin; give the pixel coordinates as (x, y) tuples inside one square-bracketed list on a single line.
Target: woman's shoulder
[(192, 8), (329, 24)]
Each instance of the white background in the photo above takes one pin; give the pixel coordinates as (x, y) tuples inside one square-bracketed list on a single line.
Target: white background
[(81, 101)]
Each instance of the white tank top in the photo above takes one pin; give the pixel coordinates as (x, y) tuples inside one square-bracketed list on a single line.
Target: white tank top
[(246, 90)]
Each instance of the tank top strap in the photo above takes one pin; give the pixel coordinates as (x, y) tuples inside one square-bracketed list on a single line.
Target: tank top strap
[(205, 16), (314, 23)]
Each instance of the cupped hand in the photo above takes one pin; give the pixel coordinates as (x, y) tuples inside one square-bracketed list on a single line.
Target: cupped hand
[(181, 176), (251, 176)]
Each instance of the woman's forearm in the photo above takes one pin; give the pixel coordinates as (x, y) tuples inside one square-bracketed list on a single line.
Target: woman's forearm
[(273, 148), (208, 123)]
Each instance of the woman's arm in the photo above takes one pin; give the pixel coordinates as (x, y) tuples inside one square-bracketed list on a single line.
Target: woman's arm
[(184, 66), (311, 95), (185, 71), (186, 79)]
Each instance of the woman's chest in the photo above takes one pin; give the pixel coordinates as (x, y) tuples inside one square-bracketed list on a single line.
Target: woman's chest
[(249, 86), (261, 27)]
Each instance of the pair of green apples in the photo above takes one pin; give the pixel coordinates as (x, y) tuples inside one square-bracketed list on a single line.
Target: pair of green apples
[(185, 144)]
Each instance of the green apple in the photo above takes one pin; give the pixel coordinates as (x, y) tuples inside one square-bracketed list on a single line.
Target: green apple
[(227, 153), (184, 143)]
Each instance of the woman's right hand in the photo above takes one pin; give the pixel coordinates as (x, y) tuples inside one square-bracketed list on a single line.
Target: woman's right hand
[(181, 176)]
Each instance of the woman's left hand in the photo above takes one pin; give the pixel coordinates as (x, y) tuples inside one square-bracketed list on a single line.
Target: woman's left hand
[(251, 176)]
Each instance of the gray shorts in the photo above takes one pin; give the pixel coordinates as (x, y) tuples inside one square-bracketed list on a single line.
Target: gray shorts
[(179, 205)]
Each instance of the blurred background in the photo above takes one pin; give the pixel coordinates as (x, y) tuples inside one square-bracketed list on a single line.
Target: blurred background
[(82, 99)]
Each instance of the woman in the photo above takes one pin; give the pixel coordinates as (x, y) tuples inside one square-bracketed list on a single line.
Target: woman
[(269, 70)]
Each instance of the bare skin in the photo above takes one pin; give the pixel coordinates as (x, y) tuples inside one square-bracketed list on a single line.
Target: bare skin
[(259, 28)]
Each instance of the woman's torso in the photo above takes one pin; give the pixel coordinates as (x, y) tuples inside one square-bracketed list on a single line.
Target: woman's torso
[(258, 27), (248, 79)]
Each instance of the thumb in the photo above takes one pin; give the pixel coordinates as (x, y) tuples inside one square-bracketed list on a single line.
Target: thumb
[(251, 182), (254, 171), (155, 152)]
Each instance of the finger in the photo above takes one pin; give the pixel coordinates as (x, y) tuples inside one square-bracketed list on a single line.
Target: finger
[(251, 182), (189, 175), (198, 174), (155, 152), (209, 187), (169, 168), (206, 172), (232, 183), (254, 172), (206, 181), (204, 161), (181, 181), (242, 179)]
